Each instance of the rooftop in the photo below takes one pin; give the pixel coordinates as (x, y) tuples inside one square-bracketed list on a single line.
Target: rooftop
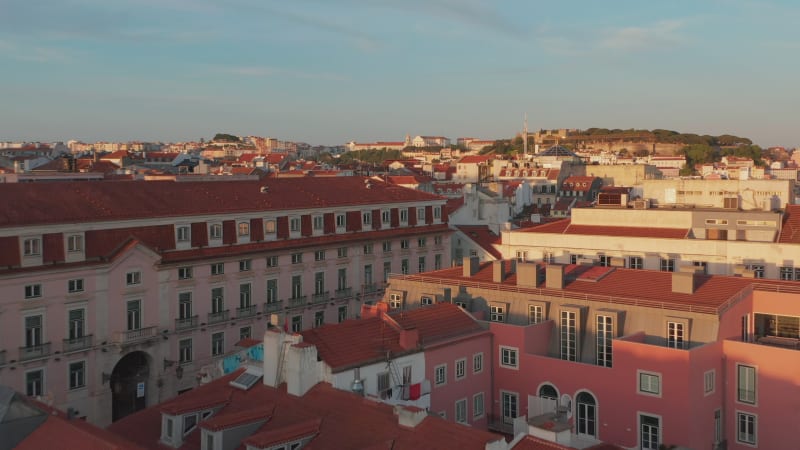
[(565, 227)]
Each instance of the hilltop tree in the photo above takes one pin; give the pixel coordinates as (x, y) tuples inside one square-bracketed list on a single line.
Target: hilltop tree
[(224, 137)]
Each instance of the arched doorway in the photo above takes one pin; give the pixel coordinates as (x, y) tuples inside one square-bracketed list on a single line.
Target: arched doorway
[(548, 391), (587, 414), (129, 384)]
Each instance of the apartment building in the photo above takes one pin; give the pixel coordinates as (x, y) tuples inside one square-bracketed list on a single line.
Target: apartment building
[(637, 358), (118, 295)]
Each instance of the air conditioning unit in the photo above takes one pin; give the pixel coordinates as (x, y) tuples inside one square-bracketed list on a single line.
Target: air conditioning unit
[(641, 204)]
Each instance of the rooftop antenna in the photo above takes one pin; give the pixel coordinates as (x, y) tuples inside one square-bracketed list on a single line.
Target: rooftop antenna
[(525, 138)]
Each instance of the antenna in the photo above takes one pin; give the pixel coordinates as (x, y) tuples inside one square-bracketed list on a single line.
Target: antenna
[(525, 138)]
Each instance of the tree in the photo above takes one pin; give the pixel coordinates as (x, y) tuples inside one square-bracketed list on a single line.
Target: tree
[(224, 137)]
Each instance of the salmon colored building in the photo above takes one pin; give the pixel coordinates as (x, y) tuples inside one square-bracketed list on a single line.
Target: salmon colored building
[(586, 354)]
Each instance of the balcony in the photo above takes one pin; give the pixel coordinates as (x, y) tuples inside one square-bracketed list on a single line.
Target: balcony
[(370, 288), (321, 297), (271, 307), (77, 343), (297, 301), (246, 311), (133, 336), (217, 317), (186, 323), (34, 352), (344, 293)]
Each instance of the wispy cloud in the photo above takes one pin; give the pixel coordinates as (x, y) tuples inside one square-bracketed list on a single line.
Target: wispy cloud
[(32, 53), (266, 71), (660, 35)]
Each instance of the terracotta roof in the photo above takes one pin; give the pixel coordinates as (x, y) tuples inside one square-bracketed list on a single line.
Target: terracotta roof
[(484, 237), (286, 434), (76, 202), (344, 420), (474, 159), (402, 179), (790, 230), (553, 174), (235, 418), (565, 227), (453, 205), (534, 443), (437, 322)]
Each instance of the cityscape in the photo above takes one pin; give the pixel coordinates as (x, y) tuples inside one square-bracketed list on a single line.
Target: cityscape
[(470, 225)]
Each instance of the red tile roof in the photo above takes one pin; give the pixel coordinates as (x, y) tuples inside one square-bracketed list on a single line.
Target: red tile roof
[(565, 227), (484, 237), (344, 420), (475, 159), (437, 322), (534, 443), (44, 203), (230, 419), (286, 434), (790, 230)]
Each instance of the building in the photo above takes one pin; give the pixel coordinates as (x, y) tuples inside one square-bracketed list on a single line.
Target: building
[(430, 141), (117, 295), (637, 358), (473, 169)]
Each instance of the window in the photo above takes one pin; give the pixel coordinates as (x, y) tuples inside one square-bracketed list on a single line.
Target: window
[(132, 278), (215, 231), (746, 428), (587, 414), (77, 375), (218, 343), (437, 262), (404, 266), (421, 242), (34, 383), (718, 436), (318, 223), (33, 290), (420, 214), (245, 332), (245, 265), (426, 300), (605, 260), (297, 286), (667, 265), (649, 383), (269, 226), (535, 314), (383, 384), (341, 252), (319, 319), (33, 331), (404, 244), (702, 265), (319, 255), (75, 243), (294, 224), (437, 212), (184, 351), (421, 264), (636, 262), (217, 300), (368, 249), (406, 375), (183, 233), (243, 229), (569, 334), (32, 247), (272, 261), (341, 221), (297, 324), (366, 217), (297, 258), (368, 274), (385, 216), (522, 256), (342, 314), (497, 313), (272, 290), (319, 283), (184, 305), (649, 432), (244, 295), (508, 357), (477, 363), (217, 268), (189, 423), (440, 374), (461, 368), (134, 314), (341, 280), (675, 335), (437, 240), (395, 301), (184, 273), (510, 402), (461, 304), (477, 405), (461, 411), (709, 381), (75, 323), (403, 215), (605, 333), (787, 273), (746, 383), (387, 246)]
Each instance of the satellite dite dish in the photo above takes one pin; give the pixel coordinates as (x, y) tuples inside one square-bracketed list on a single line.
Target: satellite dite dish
[(565, 405)]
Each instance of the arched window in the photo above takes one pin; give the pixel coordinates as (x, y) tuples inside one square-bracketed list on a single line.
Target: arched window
[(548, 391), (587, 414)]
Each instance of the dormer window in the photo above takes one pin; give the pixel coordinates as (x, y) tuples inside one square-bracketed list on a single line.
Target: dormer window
[(183, 233), (318, 223), (133, 278), (32, 247), (366, 218), (403, 216), (75, 243), (215, 231), (244, 229), (437, 212), (294, 224), (269, 226), (341, 221), (421, 214)]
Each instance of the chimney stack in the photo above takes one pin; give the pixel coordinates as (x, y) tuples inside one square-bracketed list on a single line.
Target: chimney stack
[(554, 278), (683, 281), (471, 265), (498, 271), (528, 274)]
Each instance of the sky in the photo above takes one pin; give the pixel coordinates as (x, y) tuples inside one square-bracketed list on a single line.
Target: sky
[(327, 72)]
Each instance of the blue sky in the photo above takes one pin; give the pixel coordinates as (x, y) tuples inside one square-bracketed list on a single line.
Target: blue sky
[(327, 72)]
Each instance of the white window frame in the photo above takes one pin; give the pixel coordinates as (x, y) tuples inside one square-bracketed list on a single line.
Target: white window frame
[(81, 382), (183, 233), (185, 273), (676, 334), (75, 285), (649, 383), (404, 216), (217, 269), (395, 300), (317, 223), (440, 374), (709, 381), (185, 351), (297, 258), (133, 278), (366, 217), (270, 227), (743, 396), (386, 217), (272, 261), (426, 300), (509, 357), (295, 225), (477, 362), (460, 407), (636, 262), (74, 243), (341, 221), (478, 405), (461, 369), (214, 342), (750, 439), (215, 231), (32, 247), (243, 229), (33, 291), (535, 313), (319, 255), (497, 312), (245, 265)]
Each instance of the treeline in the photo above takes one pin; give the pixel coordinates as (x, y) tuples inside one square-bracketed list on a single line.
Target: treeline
[(666, 136), (704, 153), (371, 156)]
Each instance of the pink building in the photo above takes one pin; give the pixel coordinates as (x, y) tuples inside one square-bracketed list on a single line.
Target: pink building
[(590, 354), (118, 295)]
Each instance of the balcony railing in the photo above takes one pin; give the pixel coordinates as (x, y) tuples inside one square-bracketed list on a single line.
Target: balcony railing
[(77, 343), (321, 297), (34, 352), (217, 317), (246, 311), (131, 336), (186, 323), (370, 288), (272, 307), (344, 293), (297, 301)]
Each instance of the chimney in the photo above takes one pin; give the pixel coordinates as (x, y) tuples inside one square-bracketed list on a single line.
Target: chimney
[(683, 282), (498, 271), (302, 369), (528, 274), (471, 265), (409, 338), (554, 278)]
